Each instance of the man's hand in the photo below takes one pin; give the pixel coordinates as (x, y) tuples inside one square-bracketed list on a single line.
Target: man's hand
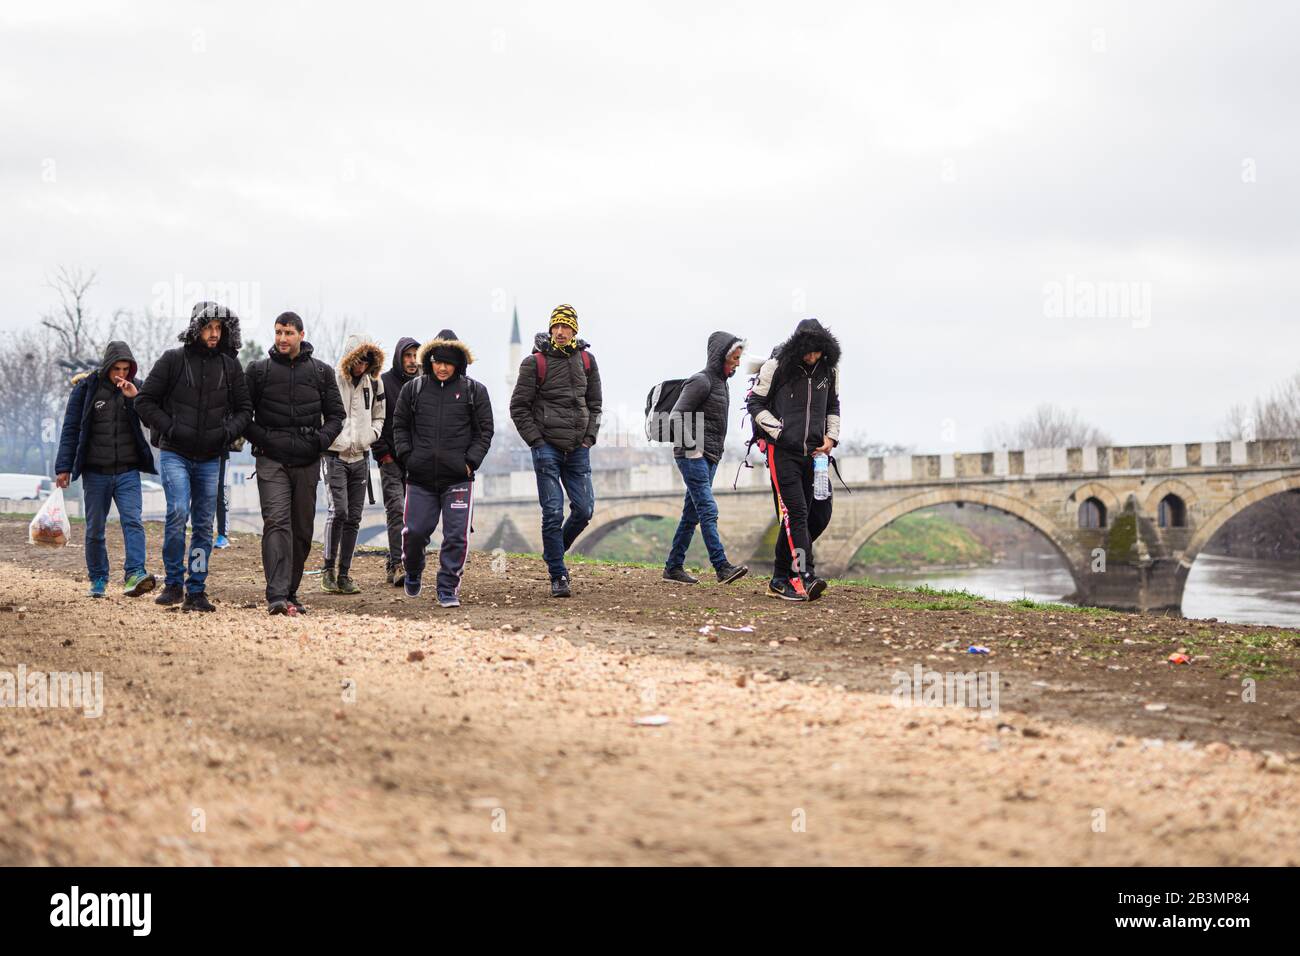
[(128, 388), (63, 479), (588, 442), (469, 471), (825, 447)]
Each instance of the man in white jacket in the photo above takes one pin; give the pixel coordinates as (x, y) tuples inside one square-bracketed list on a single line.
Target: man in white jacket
[(347, 463)]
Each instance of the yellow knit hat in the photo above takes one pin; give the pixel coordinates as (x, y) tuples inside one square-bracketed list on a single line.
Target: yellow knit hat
[(564, 315)]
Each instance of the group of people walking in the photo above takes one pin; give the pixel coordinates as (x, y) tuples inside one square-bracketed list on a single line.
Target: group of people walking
[(429, 427)]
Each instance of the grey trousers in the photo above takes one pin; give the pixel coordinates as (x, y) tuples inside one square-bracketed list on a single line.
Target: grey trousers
[(288, 494), (394, 486), (346, 483)]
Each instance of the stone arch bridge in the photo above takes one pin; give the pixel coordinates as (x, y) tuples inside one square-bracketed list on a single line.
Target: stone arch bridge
[(1128, 521)]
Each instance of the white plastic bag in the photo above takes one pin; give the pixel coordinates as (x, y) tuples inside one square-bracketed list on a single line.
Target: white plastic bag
[(50, 527)]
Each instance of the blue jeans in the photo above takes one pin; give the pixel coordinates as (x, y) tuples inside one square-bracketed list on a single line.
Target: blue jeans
[(701, 509), (559, 472), (191, 490), (98, 493)]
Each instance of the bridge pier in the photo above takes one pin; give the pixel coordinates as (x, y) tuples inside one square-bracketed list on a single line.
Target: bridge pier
[(1153, 586)]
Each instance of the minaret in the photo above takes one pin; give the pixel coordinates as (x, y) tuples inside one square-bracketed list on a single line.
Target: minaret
[(516, 347)]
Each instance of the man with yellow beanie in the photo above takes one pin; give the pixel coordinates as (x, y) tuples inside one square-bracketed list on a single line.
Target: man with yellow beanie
[(556, 408)]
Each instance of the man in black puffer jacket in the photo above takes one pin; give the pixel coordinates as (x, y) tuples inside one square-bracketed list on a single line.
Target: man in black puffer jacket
[(297, 414), (795, 404), (195, 402), (700, 426), (442, 429), (406, 365), (556, 407)]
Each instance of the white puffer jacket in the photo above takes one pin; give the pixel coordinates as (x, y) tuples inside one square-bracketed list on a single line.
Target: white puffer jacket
[(363, 402)]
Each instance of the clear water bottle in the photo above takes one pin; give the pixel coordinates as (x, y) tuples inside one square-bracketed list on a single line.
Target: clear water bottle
[(821, 477)]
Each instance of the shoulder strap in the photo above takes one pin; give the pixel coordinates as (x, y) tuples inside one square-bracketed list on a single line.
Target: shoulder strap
[(541, 367), (586, 360)]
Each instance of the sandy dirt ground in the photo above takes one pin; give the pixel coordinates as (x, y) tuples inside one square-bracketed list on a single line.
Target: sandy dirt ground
[(382, 730)]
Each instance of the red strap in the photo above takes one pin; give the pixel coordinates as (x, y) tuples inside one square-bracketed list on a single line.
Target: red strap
[(541, 368), (797, 581)]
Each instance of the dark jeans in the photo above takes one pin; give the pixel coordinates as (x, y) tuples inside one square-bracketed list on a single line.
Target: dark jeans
[(191, 490), (288, 495), (345, 483), (558, 473), (793, 474), (98, 492), (393, 483), (424, 508), (699, 508), (222, 503)]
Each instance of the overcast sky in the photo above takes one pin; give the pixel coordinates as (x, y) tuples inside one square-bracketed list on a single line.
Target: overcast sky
[(945, 185)]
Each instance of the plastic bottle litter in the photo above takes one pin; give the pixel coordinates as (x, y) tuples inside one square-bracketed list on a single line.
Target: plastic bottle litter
[(653, 720), (1179, 659), (977, 649), (821, 477)]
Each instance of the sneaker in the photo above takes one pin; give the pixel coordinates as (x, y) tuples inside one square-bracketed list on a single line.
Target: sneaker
[(171, 594), (814, 586), (97, 588), (679, 575), (347, 585), (197, 601), (560, 587), (396, 575), (221, 541), (448, 600), (277, 607), (731, 572), (328, 583), (296, 604), (786, 590), (138, 584), (412, 586)]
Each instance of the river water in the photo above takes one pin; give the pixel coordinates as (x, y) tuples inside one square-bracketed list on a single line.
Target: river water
[(1230, 589)]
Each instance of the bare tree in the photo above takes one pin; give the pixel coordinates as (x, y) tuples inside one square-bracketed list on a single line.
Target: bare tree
[(327, 335), (858, 444), (33, 393), (1048, 426), (71, 322), (1276, 415)]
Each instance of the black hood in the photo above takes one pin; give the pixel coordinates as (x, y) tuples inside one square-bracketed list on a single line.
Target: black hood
[(117, 352), (304, 352), (205, 312), (720, 344), (542, 343), (450, 342), (404, 343), (809, 336)]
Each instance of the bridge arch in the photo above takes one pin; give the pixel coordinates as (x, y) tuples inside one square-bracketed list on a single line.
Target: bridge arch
[(950, 495), (1170, 486), (1229, 511), (1090, 489), (606, 519)]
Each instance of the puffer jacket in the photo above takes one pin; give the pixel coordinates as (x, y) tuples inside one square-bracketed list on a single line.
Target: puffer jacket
[(564, 410), (392, 380), (437, 429), (86, 426), (363, 399), (705, 404), (297, 409), (195, 399), (795, 406)]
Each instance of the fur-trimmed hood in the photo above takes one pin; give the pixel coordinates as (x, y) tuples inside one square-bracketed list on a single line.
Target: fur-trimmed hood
[(358, 347), (444, 339), (809, 336), (205, 312)]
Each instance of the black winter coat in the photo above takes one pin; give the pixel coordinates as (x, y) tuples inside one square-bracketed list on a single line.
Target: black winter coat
[(564, 410), (705, 404), (795, 406), (393, 380), (297, 408), (83, 423), (196, 400), (437, 431)]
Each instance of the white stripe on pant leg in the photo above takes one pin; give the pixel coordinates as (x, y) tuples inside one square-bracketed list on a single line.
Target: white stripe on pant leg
[(469, 527)]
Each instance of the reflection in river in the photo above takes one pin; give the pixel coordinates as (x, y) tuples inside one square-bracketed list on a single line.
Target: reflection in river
[(1230, 589)]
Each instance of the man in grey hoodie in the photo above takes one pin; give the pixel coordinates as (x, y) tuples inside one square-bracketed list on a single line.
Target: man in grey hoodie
[(392, 476)]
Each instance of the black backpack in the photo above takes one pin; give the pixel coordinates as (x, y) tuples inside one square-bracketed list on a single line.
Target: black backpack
[(658, 410)]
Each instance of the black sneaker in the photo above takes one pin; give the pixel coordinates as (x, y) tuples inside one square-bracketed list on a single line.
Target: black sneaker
[(170, 594), (278, 607), (785, 590), (560, 587), (814, 586), (197, 601), (680, 576), (731, 572)]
